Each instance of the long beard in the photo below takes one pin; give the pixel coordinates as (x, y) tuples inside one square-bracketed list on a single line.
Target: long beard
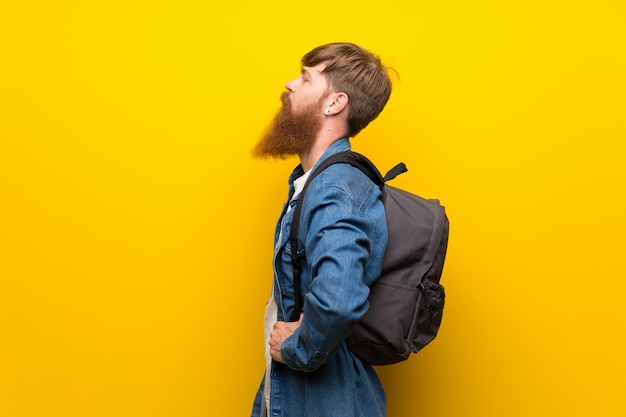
[(289, 133)]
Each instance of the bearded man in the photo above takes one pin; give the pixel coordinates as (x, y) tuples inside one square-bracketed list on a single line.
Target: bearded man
[(343, 232)]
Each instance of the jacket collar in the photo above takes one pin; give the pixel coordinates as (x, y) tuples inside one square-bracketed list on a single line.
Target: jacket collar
[(340, 145)]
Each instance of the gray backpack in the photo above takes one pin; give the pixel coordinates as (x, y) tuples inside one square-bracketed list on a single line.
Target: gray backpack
[(406, 302)]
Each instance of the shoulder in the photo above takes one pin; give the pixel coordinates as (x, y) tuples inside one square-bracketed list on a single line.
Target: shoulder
[(343, 181)]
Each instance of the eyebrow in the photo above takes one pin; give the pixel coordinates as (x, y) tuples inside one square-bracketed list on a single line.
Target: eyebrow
[(305, 72)]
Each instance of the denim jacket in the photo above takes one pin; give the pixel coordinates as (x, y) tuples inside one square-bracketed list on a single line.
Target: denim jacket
[(342, 239)]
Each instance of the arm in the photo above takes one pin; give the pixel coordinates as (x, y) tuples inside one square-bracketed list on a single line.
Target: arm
[(338, 250)]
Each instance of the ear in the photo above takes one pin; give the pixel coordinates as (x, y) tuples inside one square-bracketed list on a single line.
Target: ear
[(338, 102)]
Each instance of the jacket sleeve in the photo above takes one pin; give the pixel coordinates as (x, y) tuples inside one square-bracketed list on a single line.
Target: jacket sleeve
[(338, 246)]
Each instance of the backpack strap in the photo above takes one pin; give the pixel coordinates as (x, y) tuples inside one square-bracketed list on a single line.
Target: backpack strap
[(395, 171), (347, 157)]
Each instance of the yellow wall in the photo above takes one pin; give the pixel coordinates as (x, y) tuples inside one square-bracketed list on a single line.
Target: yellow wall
[(136, 231)]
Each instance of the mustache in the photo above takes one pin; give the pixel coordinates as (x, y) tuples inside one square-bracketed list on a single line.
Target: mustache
[(285, 99)]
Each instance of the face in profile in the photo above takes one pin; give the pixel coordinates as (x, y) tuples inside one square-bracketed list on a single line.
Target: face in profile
[(295, 128)]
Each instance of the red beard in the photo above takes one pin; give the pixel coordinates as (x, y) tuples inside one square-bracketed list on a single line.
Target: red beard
[(290, 133)]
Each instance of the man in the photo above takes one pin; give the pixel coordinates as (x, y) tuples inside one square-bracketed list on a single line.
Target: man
[(343, 235)]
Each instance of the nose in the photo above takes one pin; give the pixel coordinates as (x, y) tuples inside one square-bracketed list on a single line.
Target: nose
[(291, 85)]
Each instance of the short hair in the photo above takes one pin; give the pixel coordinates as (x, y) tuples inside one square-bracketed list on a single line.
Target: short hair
[(358, 73)]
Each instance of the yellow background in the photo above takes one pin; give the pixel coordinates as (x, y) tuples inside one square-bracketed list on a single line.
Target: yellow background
[(136, 231)]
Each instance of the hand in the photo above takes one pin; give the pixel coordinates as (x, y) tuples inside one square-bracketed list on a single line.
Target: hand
[(282, 330)]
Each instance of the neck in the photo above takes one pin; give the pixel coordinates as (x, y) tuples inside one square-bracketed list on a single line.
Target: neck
[(310, 157), (325, 138)]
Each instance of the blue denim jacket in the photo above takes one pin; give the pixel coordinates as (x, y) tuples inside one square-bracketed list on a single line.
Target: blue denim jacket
[(343, 236)]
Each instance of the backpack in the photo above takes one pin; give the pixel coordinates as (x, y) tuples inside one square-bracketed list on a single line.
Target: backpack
[(406, 301)]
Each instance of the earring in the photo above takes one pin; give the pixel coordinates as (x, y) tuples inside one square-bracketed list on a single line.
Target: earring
[(327, 111)]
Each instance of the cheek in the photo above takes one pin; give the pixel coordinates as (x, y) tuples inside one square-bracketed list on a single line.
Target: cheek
[(300, 105)]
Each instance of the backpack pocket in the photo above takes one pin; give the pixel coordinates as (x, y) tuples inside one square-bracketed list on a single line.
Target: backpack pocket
[(384, 333), (428, 314)]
